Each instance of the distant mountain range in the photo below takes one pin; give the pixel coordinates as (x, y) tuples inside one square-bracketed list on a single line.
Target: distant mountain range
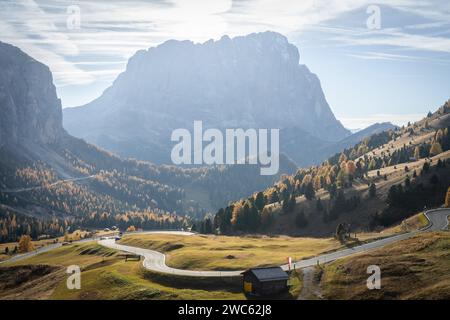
[(319, 149), (253, 81)]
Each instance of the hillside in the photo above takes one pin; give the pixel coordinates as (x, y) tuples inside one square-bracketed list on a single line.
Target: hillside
[(376, 183), (412, 269), (106, 275), (252, 81)]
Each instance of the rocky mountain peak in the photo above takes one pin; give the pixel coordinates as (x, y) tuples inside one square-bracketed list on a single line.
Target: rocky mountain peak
[(252, 81)]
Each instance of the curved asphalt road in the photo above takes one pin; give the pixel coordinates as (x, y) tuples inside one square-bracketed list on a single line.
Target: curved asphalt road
[(156, 261), (33, 253), (52, 246)]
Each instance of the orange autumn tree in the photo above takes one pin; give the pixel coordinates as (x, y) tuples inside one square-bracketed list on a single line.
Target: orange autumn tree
[(25, 244), (131, 229), (447, 198)]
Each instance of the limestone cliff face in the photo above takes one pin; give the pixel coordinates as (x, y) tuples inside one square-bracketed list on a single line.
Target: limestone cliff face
[(253, 81), (29, 108)]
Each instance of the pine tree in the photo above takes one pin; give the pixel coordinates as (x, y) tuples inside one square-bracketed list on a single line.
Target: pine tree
[(285, 205), (309, 191), (319, 204), (292, 203), (207, 229), (340, 232), (267, 217), (434, 179), (426, 167), (372, 190), (332, 190), (260, 201), (407, 182), (300, 220)]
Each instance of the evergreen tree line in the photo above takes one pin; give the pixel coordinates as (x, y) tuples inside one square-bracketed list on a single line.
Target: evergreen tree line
[(426, 190)]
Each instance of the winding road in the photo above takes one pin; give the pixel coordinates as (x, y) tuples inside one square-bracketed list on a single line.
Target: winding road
[(22, 256), (156, 261), (33, 253)]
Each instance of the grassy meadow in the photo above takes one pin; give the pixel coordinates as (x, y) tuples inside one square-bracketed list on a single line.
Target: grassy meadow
[(208, 252), (106, 275), (415, 268)]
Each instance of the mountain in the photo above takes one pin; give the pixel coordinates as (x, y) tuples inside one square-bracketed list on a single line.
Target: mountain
[(51, 181), (364, 133), (252, 81), (319, 149), (353, 139), (28, 104)]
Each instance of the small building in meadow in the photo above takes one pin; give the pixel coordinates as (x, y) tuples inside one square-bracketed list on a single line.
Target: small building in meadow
[(265, 281)]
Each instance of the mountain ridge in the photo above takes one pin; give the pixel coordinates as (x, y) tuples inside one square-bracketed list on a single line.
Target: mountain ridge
[(252, 81)]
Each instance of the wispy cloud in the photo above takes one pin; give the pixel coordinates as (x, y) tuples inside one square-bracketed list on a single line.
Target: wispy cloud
[(112, 31), (371, 55), (398, 39)]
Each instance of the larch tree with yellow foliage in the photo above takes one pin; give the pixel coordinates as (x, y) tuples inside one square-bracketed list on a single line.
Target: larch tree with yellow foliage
[(417, 153), (131, 229), (237, 211), (435, 149), (447, 198), (25, 244), (317, 183), (351, 167)]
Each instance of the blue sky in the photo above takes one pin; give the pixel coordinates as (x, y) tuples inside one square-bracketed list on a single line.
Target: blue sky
[(377, 61)]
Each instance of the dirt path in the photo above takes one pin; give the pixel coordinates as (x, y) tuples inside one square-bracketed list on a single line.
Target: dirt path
[(310, 285)]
